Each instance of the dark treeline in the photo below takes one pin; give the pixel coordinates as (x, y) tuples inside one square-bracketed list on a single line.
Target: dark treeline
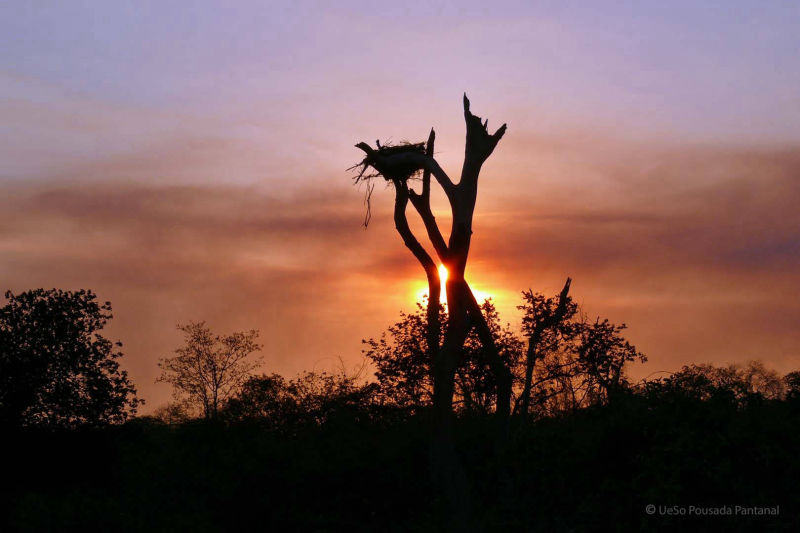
[(326, 460), (589, 449)]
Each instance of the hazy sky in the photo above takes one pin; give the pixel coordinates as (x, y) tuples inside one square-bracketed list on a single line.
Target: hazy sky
[(186, 160)]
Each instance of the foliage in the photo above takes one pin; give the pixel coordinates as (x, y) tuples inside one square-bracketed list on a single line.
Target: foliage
[(209, 368), (177, 412), (310, 398), (264, 397), (404, 371), (321, 396), (602, 354), (549, 327), (540, 319), (557, 382), (573, 363), (576, 363), (401, 359), (734, 384), (792, 382), (56, 370)]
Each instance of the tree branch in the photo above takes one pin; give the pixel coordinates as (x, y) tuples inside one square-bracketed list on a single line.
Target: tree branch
[(434, 233), (411, 242), (479, 145), (426, 175), (422, 203), (479, 141), (499, 369)]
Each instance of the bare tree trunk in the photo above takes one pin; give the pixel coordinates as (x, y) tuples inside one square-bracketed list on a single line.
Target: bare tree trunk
[(460, 300), (499, 369), (446, 468), (449, 478), (530, 362)]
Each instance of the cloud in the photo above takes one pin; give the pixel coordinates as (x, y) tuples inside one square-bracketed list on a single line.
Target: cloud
[(299, 267), (696, 249)]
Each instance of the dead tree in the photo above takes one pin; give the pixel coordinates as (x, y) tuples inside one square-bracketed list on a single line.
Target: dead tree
[(397, 164)]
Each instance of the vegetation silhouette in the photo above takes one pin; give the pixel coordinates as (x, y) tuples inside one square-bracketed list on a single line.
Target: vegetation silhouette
[(209, 368), (547, 325), (403, 367), (340, 452), (56, 370), (569, 362), (330, 461), (310, 399)]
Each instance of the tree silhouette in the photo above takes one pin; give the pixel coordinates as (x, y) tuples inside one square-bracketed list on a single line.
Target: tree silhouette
[(264, 397), (397, 165), (792, 382), (56, 370), (546, 323), (209, 368), (602, 354)]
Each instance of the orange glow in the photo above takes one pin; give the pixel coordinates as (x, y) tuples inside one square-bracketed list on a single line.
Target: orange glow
[(421, 292)]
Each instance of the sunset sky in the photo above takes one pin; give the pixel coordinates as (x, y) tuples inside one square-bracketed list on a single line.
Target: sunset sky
[(186, 161)]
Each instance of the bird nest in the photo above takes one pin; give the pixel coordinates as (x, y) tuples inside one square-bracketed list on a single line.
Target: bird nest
[(389, 162)]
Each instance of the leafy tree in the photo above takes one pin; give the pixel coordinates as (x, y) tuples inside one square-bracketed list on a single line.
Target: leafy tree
[(403, 369), (577, 363), (602, 354), (56, 370), (174, 413), (401, 358), (312, 397), (792, 382), (265, 397), (733, 384), (547, 323), (764, 381), (570, 363), (558, 381), (322, 396), (209, 368)]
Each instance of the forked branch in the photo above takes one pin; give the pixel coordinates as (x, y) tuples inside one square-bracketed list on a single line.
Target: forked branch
[(480, 143), (422, 203)]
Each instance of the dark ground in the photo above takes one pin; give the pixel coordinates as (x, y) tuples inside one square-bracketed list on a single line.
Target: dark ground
[(595, 470)]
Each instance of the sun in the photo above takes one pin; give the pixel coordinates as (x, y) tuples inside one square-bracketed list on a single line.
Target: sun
[(422, 292), (443, 274)]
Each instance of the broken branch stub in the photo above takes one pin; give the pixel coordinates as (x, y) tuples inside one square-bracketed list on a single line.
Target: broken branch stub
[(480, 143)]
